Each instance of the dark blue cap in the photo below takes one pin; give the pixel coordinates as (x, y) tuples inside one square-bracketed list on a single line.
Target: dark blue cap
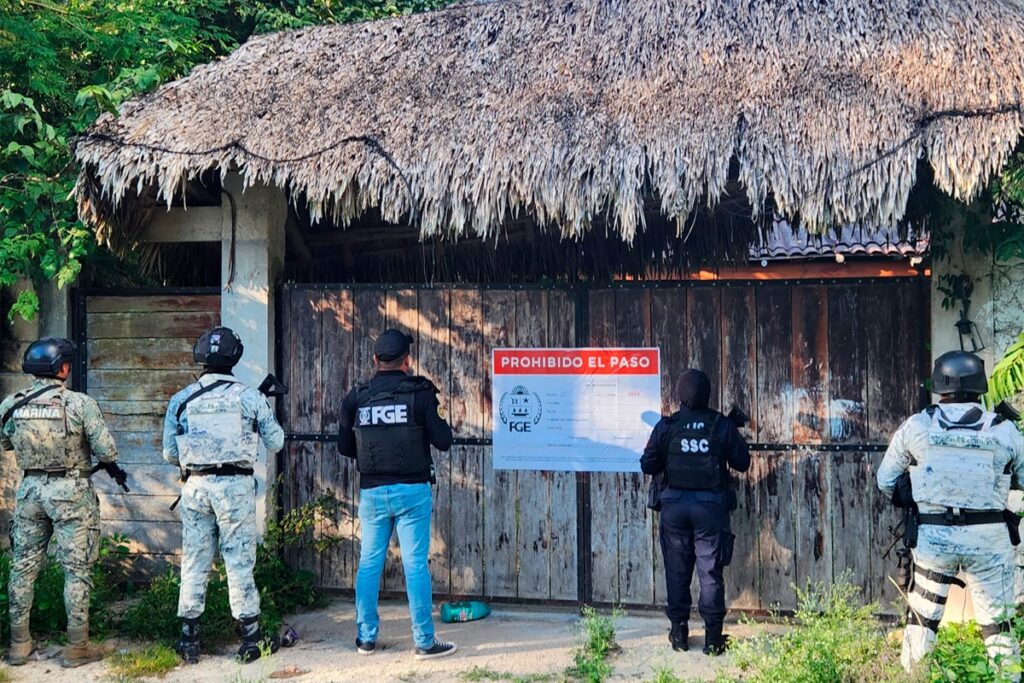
[(391, 345)]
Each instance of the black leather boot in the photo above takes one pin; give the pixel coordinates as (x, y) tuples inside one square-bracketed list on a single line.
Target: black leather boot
[(715, 642), (678, 636), (188, 644), (253, 642)]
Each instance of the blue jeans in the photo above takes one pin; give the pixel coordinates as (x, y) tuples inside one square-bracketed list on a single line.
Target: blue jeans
[(405, 507)]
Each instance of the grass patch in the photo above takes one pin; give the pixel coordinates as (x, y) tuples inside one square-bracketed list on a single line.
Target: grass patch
[(5, 675), (832, 638), (151, 660), (664, 674), (597, 645), (482, 673)]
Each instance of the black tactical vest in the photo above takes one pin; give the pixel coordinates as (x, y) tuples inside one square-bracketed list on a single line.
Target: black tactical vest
[(388, 440), (694, 459)]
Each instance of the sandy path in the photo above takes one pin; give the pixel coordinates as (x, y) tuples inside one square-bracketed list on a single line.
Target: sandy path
[(520, 641)]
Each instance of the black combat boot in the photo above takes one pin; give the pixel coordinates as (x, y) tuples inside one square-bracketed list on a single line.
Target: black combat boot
[(678, 636), (715, 642), (188, 644), (253, 642)]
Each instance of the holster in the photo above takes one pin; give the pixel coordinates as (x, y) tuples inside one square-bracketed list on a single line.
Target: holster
[(1012, 520), (910, 527), (654, 491), (904, 568)]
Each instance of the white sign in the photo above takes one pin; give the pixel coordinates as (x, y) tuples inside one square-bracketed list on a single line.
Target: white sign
[(582, 410)]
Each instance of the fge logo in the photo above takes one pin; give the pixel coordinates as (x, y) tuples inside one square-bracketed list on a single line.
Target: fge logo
[(384, 415), (519, 409)]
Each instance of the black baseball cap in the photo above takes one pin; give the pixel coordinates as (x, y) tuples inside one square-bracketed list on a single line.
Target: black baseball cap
[(391, 345)]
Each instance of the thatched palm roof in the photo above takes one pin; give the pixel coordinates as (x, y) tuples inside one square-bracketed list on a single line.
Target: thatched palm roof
[(575, 110)]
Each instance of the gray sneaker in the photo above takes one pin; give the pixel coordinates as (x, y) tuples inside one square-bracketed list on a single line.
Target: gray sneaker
[(438, 649)]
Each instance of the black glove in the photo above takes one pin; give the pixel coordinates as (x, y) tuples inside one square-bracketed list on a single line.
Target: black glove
[(115, 472)]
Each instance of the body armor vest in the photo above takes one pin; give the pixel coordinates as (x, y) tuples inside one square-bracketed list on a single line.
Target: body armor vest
[(694, 460), (965, 466), (44, 440), (218, 432), (388, 440)]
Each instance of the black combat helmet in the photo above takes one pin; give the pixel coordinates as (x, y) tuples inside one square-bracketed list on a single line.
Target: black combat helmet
[(219, 347), (45, 358), (959, 372)]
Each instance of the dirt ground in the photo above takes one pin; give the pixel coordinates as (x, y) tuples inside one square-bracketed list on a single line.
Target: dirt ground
[(517, 641)]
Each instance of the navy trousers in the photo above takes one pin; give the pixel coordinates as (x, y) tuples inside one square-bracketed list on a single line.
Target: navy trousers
[(694, 529)]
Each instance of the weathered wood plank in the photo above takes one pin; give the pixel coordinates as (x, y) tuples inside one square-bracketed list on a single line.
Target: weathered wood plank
[(146, 537), (847, 360), (303, 354), (668, 333), (605, 503), (563, 551), (467, 536), (338, 473), (155, 354), (151, 324), (636, 537), (775, 408), (368, 324), (143, 448), (501, 500), (534, 488), (887, 406), (884, 518), (777, 542), (152, 480), (812, 481), (112, 408), (810, 370), (434, 363), (120, 379), (143, 391), (467, 364), (852, 484), (743, 576), (703, 336), (158, 303), (135, 507), (739, 354)]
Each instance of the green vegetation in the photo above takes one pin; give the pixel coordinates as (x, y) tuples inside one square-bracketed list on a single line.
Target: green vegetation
[(63, 64), (597, 645), (480, 673), (832, 638), (151, 660), (152, 614), (282, 589)]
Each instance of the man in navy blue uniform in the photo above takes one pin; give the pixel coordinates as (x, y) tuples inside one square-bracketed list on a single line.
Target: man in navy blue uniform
[(690, 452)]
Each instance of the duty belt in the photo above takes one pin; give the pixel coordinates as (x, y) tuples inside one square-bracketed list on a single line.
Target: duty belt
[(221, 471), (54, 473), (963, 518)]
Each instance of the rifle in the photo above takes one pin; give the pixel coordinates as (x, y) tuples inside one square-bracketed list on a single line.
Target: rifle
[(114, 471), (272, 386)]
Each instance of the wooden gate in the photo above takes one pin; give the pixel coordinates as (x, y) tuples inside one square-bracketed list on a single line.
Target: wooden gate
[(136, 353), (826, 370)]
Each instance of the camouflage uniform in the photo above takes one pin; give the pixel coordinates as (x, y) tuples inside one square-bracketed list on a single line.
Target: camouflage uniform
[(226, 424), (959, 458), (61, 429)]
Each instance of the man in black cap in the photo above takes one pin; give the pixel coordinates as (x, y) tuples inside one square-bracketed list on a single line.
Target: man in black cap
[(691, 451), (388, 426)]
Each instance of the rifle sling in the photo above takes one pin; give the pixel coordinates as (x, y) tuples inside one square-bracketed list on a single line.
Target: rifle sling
[(206, 389), (24, 401)]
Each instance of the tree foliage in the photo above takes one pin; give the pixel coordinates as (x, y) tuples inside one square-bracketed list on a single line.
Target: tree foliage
[(64, 63)]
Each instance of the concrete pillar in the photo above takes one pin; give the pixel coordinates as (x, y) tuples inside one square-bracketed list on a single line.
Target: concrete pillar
[(247, 301)]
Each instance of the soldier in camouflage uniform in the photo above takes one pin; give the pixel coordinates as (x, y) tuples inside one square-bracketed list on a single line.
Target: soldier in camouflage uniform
[(55, 433), (211, 432), (962, 462)]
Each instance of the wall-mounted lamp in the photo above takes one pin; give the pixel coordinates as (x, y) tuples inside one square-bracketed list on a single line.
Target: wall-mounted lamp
[(970, 337)]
